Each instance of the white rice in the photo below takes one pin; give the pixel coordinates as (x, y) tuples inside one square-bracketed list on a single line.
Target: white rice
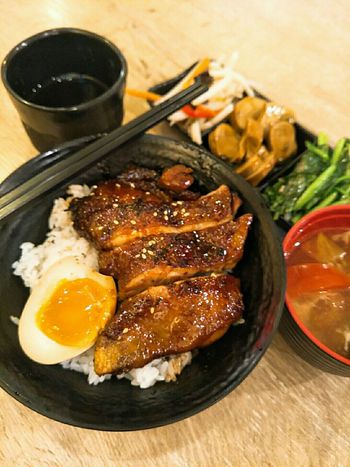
[(61, 241), (14, 320), (160, 369)]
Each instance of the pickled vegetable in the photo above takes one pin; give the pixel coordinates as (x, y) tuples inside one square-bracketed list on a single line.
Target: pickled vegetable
[(252, 138), (265, 168), (275, 113), (281, 140), (224, 142), (257, 166), (247, 108)]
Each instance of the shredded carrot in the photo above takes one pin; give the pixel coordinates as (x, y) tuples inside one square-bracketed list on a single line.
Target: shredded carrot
[(187, 80), (197, 70), (150, 96)]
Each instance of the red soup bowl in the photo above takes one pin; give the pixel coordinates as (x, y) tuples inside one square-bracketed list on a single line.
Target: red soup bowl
[(298, 336)]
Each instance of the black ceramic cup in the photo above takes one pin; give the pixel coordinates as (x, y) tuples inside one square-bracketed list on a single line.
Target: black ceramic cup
[(65, 83)]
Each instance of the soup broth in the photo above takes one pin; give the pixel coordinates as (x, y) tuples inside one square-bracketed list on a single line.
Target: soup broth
[(318, 285)]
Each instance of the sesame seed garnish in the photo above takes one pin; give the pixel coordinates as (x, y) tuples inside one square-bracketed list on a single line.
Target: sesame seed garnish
[(132, 222), (174, 204), (115, 222), (150, 253), (175, 213), (143, 256), (152, 310), (115, 205), (155, 214), (148, 193), (125, 330), (218, 202), (183, 210), (180, 202), (94, 186), (137, 256), (132, 185), (117, 185), (100, 227), (151, 242), (166, 218), (186, 214), (144, 250)]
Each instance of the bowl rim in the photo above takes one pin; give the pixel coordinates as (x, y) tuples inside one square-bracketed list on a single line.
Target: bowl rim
[(222, 391), (56, 32), (290, 238)]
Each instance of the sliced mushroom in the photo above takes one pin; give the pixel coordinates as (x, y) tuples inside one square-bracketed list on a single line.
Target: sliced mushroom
[(248, 167), (257, 166), (252, 138), (247, 108), (273, 114), (224, 142), (265, 168), (281, 140)]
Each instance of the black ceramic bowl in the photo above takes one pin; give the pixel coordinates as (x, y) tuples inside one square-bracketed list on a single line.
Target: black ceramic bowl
[(115, 405)]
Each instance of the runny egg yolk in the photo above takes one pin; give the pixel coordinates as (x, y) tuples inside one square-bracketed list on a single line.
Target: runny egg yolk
[(75, 312)]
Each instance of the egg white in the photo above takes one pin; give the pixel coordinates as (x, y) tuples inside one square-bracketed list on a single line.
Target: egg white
[(37, 345)]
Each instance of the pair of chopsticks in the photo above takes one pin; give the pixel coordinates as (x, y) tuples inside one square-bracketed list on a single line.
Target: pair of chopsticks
[(64, 170)]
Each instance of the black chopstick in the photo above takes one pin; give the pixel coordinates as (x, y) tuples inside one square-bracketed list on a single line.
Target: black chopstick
[(66, 169)]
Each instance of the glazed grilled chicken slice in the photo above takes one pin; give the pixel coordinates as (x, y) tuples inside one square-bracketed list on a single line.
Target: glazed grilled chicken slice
[(168, 320), (159, 260), (115, 213)]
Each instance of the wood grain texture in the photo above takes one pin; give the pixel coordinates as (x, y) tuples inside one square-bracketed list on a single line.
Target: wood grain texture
[(286, 413)]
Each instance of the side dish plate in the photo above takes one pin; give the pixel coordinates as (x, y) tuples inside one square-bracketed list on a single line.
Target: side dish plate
[(302, 134)]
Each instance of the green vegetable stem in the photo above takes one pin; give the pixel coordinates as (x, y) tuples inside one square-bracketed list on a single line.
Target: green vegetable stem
[(319, 152), (320, 178), (315, 187), (338, 151)]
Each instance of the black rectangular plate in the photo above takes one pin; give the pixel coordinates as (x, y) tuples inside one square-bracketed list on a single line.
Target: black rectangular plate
[(302, 135)]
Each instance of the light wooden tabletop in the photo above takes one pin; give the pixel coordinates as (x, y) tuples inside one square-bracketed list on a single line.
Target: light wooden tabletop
[(286, 413)]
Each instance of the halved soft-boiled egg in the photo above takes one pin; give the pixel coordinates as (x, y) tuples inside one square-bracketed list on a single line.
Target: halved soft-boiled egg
[(65, 312)]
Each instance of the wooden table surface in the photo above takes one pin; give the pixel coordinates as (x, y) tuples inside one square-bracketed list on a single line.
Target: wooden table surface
[(286, 413)]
